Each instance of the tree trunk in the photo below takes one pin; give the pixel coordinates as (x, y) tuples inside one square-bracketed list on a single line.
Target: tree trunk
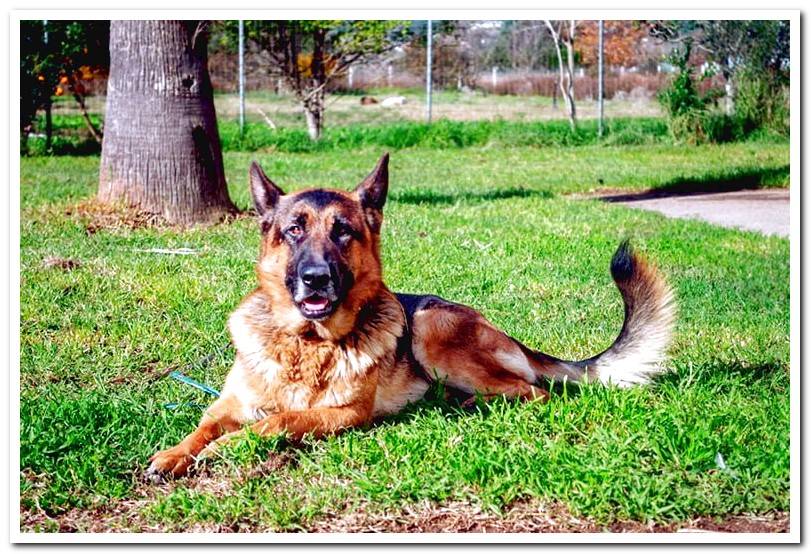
[(566, 71), (315, 118), (161, 149), (569, 42), (315, 98), (555, 91), (49, 126)]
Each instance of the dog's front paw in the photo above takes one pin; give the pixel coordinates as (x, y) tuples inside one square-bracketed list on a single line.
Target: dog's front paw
[(173, 462)]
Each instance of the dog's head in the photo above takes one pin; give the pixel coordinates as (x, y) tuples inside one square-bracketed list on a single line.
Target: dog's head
[(320, 255)]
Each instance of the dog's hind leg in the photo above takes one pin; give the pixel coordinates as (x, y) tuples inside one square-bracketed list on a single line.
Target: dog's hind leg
[(460, 345), (457, 344)]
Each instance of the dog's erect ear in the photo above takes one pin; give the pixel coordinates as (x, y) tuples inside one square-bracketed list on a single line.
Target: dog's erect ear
[(373, 189), (264, 192)]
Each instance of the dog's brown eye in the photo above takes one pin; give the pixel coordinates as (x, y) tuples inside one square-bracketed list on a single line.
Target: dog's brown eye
[(294, 231)]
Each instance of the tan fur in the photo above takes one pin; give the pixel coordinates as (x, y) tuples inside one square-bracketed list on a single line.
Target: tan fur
[(369, 358)]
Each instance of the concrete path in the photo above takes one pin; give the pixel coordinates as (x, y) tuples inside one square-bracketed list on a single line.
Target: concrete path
[(765, 210)]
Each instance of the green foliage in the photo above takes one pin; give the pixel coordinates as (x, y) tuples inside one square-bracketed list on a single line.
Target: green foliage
[(754, 58), (343, 36), (681, 96), (403, 134), (39, 71), (444, 134), (760, 103), (692, 117), (761, 73), (367, 36), (762, 81), (70, 45)]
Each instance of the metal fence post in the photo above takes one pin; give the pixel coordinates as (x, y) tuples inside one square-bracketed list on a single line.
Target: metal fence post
[(49, 128), (428, 83), (600, 78), (241, 77)]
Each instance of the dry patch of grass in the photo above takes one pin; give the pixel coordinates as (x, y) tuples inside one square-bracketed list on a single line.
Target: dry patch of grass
[(65, 264), (531, 517), (426, 517), (96, 216)]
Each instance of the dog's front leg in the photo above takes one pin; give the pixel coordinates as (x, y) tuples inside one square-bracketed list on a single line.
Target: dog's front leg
[(317, 422), (223, 416)]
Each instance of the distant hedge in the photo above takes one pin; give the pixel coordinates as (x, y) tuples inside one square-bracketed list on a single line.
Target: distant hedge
[(444, 134), (440, 134)]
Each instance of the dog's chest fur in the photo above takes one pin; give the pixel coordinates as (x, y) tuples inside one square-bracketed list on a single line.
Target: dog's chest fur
[(279, 371)]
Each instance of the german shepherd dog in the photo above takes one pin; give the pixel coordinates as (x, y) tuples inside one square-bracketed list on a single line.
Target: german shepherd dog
[(322, 345)]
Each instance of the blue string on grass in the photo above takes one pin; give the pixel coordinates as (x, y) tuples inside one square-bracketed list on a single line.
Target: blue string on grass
[(176, 405), (196, 384)]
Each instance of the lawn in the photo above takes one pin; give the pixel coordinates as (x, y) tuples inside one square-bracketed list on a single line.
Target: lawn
[(103, 318)]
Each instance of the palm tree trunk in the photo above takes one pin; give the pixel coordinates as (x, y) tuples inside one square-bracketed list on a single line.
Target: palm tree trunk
[(161, 150)]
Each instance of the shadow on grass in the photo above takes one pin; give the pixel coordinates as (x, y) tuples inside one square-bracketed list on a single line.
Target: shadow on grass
[(433, 197), (449, 401), (742, 179), (735, 373)]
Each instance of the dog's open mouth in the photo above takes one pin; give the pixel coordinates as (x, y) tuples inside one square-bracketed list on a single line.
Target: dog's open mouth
[(316, 306)]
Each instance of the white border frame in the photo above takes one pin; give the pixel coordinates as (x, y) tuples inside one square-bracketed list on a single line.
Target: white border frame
[(14, 281)]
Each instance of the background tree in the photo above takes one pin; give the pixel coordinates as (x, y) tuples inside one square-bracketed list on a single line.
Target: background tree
[(622, 42), (75, 53), (161, 151), (522, 44), (563, 35), (453, 59), (751, 55), (309, 55)]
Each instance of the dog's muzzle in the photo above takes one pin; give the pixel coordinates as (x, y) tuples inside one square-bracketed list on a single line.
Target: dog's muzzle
[(316, 293)]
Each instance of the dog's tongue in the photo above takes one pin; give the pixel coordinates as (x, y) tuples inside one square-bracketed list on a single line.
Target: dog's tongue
[(315, 303)]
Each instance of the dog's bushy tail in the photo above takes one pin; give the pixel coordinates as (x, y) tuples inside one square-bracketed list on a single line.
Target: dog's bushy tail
[(639, 350)]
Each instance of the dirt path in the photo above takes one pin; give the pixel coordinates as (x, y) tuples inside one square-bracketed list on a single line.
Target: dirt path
[(765, 211)]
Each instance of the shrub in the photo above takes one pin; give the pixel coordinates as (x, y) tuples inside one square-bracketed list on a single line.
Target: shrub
[(762, 101), (443, 134), (690, 114)]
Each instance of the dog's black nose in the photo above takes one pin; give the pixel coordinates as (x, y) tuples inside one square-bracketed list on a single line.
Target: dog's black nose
[(315, 276)]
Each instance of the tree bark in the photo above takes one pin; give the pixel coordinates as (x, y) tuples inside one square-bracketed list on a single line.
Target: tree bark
[(161, 150), (49, 126), (569, 42), (313, 102)]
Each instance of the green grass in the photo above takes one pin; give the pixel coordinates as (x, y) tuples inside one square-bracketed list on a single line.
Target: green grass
[(442, 177), (485, 226)]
